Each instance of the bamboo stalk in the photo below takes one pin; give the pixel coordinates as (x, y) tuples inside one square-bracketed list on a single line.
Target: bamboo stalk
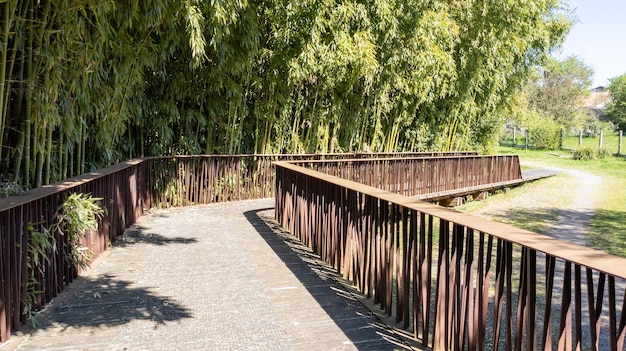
[(41, 152), (79, 150), (83, 142), (41, 136), (63, 150), (4, 83), (49, 149), (17, 104), (29, 95)]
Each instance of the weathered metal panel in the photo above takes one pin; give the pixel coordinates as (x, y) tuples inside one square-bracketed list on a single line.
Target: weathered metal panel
[(475, 284)]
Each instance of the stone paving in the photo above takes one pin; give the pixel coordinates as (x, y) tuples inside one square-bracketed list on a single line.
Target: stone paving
[(214, 277)]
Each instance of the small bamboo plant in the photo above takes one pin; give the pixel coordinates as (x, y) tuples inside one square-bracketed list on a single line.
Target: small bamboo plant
[(40, 243), (78, 214)]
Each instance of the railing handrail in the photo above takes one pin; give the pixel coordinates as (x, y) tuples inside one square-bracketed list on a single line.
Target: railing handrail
[(578, 254), (30, 195), (407, 158), (452, 153), (46, 190), (372, 154)]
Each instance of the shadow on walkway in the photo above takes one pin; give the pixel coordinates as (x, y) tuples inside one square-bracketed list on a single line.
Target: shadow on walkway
[(93, 303), (328, 288), (140, 234), (106, 301)]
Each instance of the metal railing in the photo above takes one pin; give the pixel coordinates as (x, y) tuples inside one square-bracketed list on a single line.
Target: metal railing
[(127, 190), (457, 282), (412, 176), (122, 188), (192, 180)]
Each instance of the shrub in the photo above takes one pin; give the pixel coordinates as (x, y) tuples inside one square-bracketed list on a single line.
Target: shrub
[(10, 188), (589, 153), (584, 153), (602, 153), (40, 242), (545, 135), (78, 214)]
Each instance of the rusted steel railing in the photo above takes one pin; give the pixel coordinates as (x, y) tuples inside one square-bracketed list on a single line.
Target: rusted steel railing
[(127, 189), (455, 281), (193, 180), (412, 176), (125, 196)]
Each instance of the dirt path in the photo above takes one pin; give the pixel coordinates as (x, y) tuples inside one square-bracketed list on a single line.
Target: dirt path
[(575, 216), (561, 207), (574, 220), (566, 203)]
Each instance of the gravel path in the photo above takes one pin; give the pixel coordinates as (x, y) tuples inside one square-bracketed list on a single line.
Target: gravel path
[(572, 197), (574, 219)]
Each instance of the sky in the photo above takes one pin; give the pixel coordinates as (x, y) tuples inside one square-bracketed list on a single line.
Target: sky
[(598, 38)]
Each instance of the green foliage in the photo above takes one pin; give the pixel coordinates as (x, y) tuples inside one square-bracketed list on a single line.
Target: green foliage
[(546, 134), (592, 127), (586, 153), (77, 215), (89, 83), (602, 153), (616, 110), (40, 244), (10, 188)]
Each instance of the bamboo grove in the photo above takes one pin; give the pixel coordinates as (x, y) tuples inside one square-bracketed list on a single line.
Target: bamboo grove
[(87, 83)]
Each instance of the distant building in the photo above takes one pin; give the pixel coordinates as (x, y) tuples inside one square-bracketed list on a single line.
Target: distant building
[(598, 89), (597, 100)]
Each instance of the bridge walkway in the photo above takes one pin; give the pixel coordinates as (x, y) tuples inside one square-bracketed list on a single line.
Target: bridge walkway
[(527, 176), (210, 277)]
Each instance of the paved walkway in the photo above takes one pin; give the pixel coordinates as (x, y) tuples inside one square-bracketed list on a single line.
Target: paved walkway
[(216, 277)]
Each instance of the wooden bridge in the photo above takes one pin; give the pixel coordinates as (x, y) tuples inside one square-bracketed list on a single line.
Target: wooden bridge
[(453, 281)]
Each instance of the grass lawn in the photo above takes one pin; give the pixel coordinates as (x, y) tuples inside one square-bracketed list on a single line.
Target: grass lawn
[(610, 141), (607, 230)]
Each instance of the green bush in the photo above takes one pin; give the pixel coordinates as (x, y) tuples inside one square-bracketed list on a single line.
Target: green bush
[(602, 153), (40, 243), (590, 153), (78, 214), (545, 135), (10, 188), (584, 153)]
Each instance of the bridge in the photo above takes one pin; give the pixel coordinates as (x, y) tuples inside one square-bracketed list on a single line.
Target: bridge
[(432, 277)]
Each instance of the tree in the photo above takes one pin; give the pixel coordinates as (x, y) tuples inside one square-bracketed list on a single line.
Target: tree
[(560, 91), (71, 72), (88, 83), (616, 110)]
